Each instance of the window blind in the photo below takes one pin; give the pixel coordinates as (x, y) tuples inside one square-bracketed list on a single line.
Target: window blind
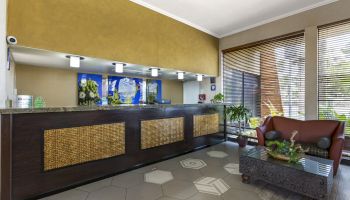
[(274, 71), (334, 72)]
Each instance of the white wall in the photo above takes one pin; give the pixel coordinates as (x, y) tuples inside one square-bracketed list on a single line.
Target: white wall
[(191, 92), (3, 52)]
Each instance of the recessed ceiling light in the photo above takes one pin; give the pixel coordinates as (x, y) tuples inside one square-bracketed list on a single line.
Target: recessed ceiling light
[(180, 75), (119, 67)]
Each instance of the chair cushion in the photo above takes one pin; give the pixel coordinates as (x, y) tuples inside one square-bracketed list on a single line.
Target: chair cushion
[(314, 150), (273, 135), (324, 143)]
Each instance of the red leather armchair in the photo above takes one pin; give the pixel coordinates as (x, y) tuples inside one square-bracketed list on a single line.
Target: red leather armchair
[(309, 132)]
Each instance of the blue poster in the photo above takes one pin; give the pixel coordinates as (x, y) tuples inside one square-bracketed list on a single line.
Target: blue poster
[(89, 89), (154, 90), (124, 90)]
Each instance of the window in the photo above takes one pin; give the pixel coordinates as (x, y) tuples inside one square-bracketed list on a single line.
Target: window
[(334, 72), (268, 78)]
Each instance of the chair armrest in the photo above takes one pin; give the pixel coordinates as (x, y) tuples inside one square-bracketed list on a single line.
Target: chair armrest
[(260, 131), (336, 149)]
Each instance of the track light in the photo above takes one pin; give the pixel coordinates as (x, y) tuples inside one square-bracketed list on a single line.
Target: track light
[(199, 77), (180, 75), (119, 67), (154, 72), (74, 61)]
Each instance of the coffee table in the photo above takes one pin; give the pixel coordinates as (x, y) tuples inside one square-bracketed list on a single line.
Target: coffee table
[(311, 176)]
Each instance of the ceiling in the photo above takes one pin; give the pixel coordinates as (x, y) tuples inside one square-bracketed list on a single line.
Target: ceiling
[(50, 59), (221, 18)]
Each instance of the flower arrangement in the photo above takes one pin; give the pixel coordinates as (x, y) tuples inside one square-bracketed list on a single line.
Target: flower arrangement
[(286, 150), (88, 92), (114, 100)]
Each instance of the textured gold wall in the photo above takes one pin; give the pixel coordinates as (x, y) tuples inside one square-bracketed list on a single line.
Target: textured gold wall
[(112, 29), (59, 87), (205, 124), (159, 132), (70, 146)]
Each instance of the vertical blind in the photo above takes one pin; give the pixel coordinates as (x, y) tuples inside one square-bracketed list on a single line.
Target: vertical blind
[(334, 72), (269, 78)]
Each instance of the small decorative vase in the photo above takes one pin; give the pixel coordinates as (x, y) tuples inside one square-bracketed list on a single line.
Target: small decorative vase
[(242, 141)]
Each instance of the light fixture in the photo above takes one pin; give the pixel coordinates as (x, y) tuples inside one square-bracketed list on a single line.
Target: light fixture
[(180, 75), (154, 72), (74, 61), (199, 77), (119, 67)]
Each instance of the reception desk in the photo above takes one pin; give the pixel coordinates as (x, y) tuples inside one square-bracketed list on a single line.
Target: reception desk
[(52, 149)]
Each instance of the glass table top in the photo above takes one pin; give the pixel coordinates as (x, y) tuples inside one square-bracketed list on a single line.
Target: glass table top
[(310, 164)]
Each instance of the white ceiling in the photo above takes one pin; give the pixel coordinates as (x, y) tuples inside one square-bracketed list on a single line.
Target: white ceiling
[(50, 59), (221, 18)]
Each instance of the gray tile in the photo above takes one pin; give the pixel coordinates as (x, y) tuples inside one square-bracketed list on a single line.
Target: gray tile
[(234, 193), (189, 175), (108, 193), (182, 186), (167, 198), (234, 181), (216, 171), (96, 185), (127, 180), (179, 189), (201, 196), (70, 195), (144, 191)]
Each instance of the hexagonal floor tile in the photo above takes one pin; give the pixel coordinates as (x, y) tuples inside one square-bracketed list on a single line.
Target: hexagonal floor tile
[(108, 193), (232, 168), (158, 177), (217, 154), (193, 163), (210, 185), (144, 191), (179, 189)]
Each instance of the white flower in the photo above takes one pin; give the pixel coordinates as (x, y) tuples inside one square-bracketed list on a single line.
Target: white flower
[(83, 82), (92, 95), (82, 95)]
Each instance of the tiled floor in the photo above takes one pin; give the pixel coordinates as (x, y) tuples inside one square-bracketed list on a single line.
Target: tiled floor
[(207, 174)]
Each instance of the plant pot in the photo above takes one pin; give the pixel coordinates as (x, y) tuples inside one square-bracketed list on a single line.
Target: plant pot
[(242, 141)]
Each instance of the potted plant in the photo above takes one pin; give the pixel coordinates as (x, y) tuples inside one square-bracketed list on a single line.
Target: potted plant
[(218, 98), (239, 114), (151, 98)]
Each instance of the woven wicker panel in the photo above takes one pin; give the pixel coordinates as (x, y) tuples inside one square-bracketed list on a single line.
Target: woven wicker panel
[(205, 124), (70, 146), (161, 131)]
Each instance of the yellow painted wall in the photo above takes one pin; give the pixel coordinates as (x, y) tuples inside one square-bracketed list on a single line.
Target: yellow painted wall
[(112, 29), (59, 87)]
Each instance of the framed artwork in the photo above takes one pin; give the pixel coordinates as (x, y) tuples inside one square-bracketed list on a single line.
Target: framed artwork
[(89, 89), (124, 90), (154, 90)]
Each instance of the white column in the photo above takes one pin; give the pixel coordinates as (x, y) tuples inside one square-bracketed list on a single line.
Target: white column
[(311, 73), (3, 52)]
